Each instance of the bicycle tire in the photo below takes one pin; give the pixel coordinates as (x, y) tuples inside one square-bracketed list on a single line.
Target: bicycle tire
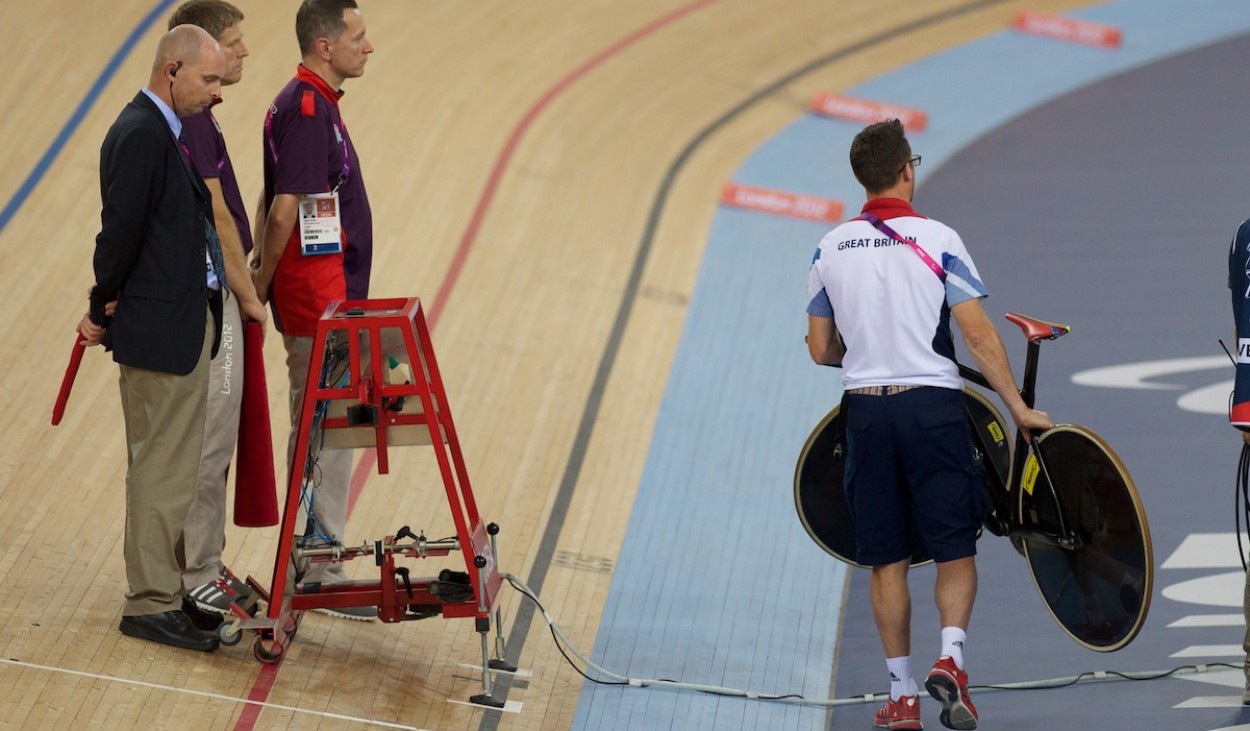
[(1099, 591), (820, 500)]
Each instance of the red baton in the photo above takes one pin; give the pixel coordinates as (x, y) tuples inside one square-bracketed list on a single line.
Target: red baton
[(67, 383)]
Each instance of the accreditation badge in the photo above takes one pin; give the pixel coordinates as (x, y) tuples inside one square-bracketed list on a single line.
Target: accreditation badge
[(320, 226)]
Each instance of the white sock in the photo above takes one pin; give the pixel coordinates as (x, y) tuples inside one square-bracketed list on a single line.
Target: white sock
[(901, 681), (953, 645)]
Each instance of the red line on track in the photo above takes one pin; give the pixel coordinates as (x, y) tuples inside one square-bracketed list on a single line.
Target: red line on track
[(269, 673), (259, 694)]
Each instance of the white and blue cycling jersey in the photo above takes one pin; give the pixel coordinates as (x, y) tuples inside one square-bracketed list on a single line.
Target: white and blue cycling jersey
[(891, 309)]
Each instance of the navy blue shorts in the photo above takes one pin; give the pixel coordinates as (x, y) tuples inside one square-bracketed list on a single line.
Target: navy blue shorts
[(912, 475)]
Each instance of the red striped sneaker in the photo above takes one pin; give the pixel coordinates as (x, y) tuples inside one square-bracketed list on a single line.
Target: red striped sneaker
[(899, 715), (949, 685), (214, 596), (219, 594)]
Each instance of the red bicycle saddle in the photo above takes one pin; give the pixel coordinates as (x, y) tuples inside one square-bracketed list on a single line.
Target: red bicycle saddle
[(1035, 330)]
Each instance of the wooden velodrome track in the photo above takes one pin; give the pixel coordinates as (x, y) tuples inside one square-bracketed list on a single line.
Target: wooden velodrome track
[(516, 156)]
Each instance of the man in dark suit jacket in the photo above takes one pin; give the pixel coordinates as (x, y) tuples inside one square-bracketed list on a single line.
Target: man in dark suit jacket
[(156, 305)]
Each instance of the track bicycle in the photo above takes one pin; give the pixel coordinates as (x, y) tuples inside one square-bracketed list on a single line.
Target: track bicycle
[(1065, 500)]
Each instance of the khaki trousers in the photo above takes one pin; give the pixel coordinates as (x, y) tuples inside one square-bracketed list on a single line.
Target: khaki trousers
[(1245, 643), (206, 521), (164, 416)]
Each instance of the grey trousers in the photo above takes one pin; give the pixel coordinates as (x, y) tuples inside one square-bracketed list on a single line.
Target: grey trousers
[(164, 416), (206, 521), (334, 466)]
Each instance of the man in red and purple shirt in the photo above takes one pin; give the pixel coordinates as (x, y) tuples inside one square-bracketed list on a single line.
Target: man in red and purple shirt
[(309, 152)]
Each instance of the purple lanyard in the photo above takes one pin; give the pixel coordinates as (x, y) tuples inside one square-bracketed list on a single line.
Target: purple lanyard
[(928, 260), (340, 131)]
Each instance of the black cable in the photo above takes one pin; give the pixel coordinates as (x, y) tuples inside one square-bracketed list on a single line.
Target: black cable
[(560, 646), (733, 693), (1241, 495), (574, 665), (1105, 674), (556, 638)]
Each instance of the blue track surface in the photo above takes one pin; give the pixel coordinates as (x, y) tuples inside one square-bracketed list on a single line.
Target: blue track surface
[(1092, 186)]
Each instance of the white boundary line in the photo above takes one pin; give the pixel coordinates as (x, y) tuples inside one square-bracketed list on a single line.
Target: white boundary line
[(204, 694)]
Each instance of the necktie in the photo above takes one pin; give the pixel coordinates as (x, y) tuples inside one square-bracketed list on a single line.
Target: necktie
[(218, 270)]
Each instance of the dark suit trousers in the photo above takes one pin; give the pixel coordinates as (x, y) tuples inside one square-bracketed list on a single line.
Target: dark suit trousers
[(164, 416)]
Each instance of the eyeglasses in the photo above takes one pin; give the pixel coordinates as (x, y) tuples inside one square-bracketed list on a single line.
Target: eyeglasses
[(914, 162)]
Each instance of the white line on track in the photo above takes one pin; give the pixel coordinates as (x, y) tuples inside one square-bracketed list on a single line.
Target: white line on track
[(203, 694)]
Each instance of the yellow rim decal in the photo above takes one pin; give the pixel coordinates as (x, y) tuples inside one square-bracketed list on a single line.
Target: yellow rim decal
[(995, 431), (1030, 474)]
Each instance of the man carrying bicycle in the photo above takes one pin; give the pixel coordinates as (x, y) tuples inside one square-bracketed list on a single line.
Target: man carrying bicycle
[(882, 290)]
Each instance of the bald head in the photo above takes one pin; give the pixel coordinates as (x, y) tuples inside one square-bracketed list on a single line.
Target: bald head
[(183, 43), (187, 70)]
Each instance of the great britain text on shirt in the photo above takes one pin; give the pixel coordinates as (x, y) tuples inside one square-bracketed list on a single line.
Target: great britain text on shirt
[(873, 243)]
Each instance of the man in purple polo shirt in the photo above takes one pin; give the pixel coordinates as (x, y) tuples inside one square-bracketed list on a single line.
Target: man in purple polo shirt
[(311, 169), (208, 585)]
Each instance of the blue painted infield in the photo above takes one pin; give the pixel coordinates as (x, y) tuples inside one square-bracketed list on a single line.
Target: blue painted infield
[(717, 583), (719, 591)]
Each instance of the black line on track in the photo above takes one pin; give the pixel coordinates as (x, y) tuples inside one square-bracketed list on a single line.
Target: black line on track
[(577, 455)]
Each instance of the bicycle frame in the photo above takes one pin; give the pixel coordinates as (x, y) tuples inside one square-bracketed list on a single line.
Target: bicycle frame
[(1007, 519)]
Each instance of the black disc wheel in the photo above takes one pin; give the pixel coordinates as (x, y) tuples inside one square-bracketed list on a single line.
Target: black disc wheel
[(1098, 586)]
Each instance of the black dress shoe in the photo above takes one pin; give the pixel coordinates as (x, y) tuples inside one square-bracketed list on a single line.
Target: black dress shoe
[(201, 619), (169, 628)]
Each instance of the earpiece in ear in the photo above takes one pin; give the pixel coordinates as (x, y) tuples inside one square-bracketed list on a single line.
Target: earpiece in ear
[(174, 71)]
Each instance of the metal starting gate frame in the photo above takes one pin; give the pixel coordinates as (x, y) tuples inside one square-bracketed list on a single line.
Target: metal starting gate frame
[(348, 404)]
